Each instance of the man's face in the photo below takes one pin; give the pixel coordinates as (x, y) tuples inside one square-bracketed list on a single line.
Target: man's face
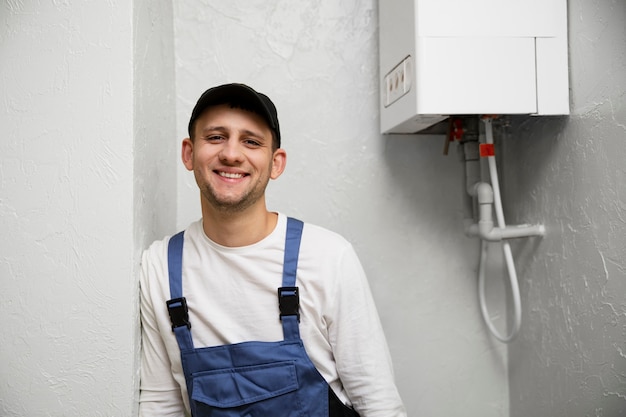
[(231, 157)]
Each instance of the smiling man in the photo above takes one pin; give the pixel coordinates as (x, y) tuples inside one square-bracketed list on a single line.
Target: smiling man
[(249, 312)]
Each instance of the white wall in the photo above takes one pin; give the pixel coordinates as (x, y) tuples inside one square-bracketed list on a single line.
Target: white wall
[(70, 186), (67, 247), (398, 199), (156, 144), (569, 173), (154, 165)]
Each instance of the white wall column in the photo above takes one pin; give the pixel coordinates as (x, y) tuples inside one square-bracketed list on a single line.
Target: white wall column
[(69, 192)]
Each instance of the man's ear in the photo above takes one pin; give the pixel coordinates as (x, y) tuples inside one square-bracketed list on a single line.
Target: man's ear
[(279, 163), (187, 153)]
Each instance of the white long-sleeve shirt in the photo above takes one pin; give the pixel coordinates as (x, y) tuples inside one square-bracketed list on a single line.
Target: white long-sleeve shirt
[(232, 297)]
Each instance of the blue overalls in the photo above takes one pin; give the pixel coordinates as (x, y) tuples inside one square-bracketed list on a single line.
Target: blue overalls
[(252, 379)]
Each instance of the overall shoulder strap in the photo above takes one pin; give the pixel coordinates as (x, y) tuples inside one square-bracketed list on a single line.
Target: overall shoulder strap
[(175, 264), (288, 296), (292, 250), (177, 305)]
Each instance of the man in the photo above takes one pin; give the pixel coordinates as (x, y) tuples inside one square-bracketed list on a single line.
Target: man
[(249, 312)]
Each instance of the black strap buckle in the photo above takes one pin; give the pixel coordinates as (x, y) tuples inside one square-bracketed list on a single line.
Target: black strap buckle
[(179, 314), (289, 302)]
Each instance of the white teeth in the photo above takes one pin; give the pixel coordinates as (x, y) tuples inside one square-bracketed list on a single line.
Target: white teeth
[(230, 175)]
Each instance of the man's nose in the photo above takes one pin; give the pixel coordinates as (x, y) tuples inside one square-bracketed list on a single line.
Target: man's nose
[(231, 150)]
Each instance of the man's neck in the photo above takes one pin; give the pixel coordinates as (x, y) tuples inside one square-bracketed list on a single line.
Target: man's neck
[(239, 228)]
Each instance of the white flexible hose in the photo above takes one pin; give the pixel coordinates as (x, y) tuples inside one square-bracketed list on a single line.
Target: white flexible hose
[(508, 256)]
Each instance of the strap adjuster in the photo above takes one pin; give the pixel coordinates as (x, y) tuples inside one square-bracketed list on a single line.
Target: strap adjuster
[(289, 302), (179, 314)]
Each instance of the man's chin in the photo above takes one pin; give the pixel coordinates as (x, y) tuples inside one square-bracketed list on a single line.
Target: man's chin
[(230, 204)]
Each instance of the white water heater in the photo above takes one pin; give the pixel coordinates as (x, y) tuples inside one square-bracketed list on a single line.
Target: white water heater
[(440, 58)]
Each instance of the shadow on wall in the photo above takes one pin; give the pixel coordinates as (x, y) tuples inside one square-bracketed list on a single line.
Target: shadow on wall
[(532, 142), (427, 182)]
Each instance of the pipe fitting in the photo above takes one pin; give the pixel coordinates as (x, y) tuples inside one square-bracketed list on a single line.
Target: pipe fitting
[(484, 193)]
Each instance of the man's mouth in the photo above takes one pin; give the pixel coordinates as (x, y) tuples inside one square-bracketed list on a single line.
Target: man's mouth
[(230, 175)]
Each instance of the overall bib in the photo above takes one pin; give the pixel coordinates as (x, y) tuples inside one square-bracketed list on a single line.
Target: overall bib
[(252, 379)]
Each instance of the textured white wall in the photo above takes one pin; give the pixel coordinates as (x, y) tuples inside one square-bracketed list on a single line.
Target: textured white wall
[(66, 178), (79, 198), (398, 199), (155, 144), (569, 173), (154, 162)]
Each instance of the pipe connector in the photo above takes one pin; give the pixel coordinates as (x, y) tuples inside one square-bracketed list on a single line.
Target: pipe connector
[(486, 229)]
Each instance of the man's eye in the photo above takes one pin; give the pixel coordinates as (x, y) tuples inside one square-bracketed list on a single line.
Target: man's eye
[(214, 138), (252, 142)]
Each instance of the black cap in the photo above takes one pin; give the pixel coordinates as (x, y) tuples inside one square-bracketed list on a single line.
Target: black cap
[(238, 95)]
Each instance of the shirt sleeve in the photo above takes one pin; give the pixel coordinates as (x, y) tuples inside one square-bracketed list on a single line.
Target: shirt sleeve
[(362, 356), (160, 394)]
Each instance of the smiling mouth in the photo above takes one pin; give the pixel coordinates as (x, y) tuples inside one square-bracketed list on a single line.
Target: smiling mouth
[(230, 175)]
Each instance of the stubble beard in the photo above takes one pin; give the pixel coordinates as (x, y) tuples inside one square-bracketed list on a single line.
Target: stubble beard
[(235, 204)]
